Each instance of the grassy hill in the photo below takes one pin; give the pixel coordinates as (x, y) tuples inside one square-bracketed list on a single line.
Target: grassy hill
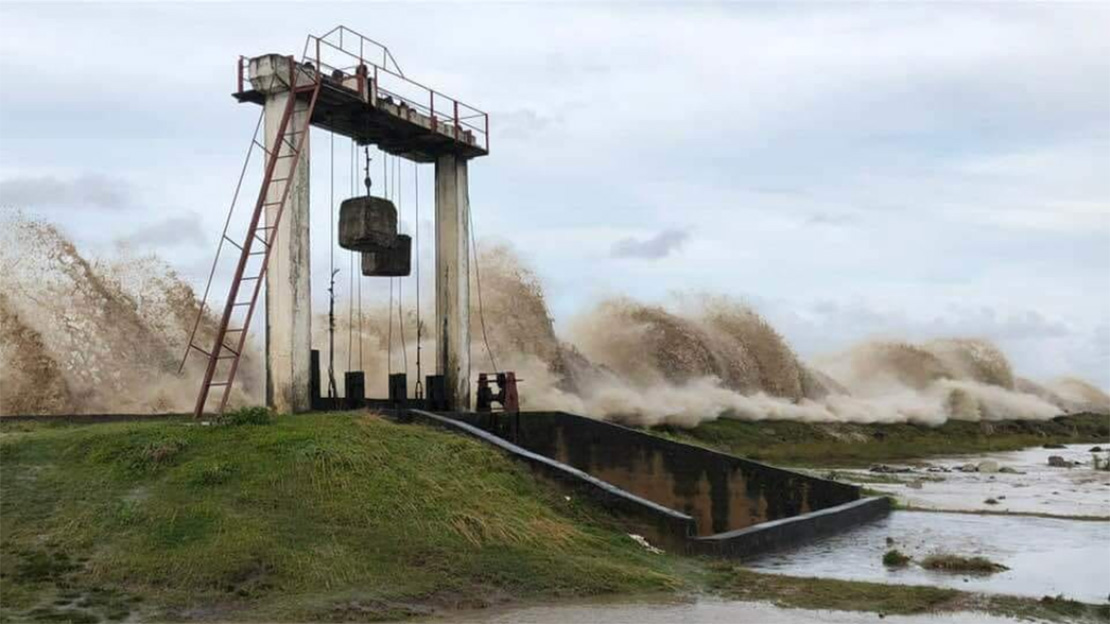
[(348, 517), (333, 517)]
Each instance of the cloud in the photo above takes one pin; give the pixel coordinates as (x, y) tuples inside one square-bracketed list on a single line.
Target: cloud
[(50, 192), (659, 246), (523, 123), (831, 219), (172, 232)]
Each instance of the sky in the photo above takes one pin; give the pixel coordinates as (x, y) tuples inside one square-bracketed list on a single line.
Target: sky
[(852, 171)]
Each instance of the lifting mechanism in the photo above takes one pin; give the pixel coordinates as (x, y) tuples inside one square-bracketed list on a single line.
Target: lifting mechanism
[(506, 395), (340, 85)]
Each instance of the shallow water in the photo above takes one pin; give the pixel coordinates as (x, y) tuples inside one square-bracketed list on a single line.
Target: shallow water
[(699, 611), (1046, 556), (1042, 489)]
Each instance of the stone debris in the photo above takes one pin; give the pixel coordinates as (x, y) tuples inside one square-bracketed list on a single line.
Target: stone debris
[(639, 539), (885, 469), (988, 466), (1059, 462)]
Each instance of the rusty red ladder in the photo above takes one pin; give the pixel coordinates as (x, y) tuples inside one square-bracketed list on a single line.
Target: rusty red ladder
[(257, 233)]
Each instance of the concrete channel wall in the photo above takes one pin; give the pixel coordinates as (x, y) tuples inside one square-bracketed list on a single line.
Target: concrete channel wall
[(685, 497), (720, 491)]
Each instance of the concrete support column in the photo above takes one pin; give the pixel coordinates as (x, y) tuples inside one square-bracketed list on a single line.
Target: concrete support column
[(453, 280), (288, 290)]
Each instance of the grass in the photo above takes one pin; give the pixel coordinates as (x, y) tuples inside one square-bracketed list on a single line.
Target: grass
[(305, 518), (891, 599), (855, 445), (955, 563), (895, 558), (341, 517)]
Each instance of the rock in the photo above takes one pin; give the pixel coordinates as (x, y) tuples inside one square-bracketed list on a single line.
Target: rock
[(889, 541), (1008, 470), (968, 468), (988, 466), (1053, 446), (1059, 462), (884, 469), (1096, 449), (991, 501)]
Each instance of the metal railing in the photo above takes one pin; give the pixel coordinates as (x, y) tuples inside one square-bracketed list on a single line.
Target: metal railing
[(342, 53)]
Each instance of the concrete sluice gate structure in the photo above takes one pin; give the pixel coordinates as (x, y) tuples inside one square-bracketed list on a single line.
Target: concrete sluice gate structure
[(685, 497)]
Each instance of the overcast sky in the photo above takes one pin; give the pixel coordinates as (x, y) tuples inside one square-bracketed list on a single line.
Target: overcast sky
[(851, 170)]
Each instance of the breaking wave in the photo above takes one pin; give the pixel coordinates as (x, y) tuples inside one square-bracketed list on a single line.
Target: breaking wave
[(708, 357), (80, 335)]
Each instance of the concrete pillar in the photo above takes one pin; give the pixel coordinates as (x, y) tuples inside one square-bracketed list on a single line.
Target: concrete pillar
[(288, 290), (453, 280)]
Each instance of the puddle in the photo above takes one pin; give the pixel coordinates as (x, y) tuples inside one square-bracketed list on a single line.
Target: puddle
[(701, 611), (1046, 556), (1041, 489)]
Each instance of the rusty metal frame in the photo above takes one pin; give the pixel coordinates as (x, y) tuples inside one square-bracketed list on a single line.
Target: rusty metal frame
[(341, 41), (268, 239)]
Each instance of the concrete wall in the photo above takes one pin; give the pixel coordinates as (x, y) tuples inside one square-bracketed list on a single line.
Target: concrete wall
[(660, 524), (790, 531), (720, 492)]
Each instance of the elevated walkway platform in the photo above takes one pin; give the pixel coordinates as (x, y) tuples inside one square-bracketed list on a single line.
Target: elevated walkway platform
[(370, 100)]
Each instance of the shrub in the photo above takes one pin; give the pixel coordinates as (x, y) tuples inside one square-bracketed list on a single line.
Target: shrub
[(956, 563), (895, 558)]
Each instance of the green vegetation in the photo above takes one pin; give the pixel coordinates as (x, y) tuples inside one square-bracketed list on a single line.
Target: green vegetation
[(895, 558), (306, 518), (955, 563), (246, 416), (854, 445), (336, 518), (890, 599)]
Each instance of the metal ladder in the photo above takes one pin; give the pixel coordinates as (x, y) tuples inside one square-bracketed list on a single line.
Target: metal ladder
[(257, 233)]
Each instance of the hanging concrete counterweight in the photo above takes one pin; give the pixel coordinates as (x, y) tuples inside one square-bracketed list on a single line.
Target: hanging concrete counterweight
[(367, 224), (395, 262)]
